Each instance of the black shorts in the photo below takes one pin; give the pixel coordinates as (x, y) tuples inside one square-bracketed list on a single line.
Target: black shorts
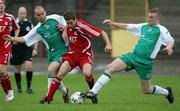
[(20, 55)]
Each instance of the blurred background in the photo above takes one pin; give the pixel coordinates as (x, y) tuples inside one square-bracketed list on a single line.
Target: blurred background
[(95, 11)]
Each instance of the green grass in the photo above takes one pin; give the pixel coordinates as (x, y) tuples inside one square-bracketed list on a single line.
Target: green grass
[(122, 93)]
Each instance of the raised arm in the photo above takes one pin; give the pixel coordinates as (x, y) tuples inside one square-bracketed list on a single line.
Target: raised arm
[(115, 24)]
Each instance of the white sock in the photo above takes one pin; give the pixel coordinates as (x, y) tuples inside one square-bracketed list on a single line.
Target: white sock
[(50, 79), (101, 82), (62, 88), (157, 90)]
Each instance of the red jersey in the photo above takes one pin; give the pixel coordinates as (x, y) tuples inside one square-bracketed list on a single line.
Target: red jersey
[(7, 23), (80, 37)]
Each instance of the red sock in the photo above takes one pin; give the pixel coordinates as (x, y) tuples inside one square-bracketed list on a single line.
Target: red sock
[(6, 83), (53, 87), (90, 81)]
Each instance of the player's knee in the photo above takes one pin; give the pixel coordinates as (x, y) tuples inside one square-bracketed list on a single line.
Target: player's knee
[(2, 71), (29, 68), (51, 70), (86, 73), (110, 68)]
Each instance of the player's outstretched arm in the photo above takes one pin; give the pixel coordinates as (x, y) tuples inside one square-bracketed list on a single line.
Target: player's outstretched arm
[(115, 24), (14, 39)]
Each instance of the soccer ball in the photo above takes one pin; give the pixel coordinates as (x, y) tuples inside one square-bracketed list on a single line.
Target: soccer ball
[(76, 98)]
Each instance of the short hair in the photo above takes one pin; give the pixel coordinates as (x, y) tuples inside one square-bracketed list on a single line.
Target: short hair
[(69, 15), (38, 7), (154, 10)]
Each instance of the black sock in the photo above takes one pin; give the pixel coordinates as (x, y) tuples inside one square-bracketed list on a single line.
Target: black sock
[(18, 80), (29, 75)]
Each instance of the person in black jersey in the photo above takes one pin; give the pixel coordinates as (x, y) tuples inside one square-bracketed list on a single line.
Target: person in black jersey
[(23, 54)]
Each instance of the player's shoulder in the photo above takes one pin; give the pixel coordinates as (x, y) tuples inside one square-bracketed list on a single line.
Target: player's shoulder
[(81, 23), (37, 26), (8, 15), (54, 16), (162, 28), (142, 24)]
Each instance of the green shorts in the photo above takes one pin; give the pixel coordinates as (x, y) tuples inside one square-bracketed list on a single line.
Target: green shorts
[(54, 57), (142, 66)]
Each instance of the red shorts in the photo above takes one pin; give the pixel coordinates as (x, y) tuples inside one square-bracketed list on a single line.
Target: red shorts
[(77, 59), (5, 57)]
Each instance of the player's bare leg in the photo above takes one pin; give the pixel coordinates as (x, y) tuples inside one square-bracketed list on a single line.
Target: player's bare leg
[(116, 65), (52, 70), (87, 72), (157, 90), (6, 83), (55, 84)]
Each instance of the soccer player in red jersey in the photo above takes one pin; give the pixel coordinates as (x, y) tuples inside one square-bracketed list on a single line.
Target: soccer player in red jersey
[(7, 22), (79, 34)]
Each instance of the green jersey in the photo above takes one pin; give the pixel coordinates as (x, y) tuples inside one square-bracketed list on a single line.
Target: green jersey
[(151, 39), (48, 33), (146, 49)]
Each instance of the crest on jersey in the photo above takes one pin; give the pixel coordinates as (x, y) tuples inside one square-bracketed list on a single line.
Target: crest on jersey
[(150, 29), (47, 26)]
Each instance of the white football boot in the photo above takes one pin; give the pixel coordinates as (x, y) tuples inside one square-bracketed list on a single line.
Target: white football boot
[(9, 96)]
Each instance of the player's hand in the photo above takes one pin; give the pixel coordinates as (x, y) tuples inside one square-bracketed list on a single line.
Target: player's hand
[(7, 37), (34, 52), (59, 27), (107, 21), (169, 50), (108, 48)]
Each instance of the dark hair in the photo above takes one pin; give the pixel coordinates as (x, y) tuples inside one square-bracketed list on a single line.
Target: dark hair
[(69, 15), (154, 10)]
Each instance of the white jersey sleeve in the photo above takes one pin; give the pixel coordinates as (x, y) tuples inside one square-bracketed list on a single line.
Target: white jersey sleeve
[(59, 19), (32, 37), (165, 35), (135, 28)]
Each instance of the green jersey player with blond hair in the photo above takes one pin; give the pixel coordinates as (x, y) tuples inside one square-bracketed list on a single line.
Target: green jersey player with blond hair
[(152, 37), (49, 31)]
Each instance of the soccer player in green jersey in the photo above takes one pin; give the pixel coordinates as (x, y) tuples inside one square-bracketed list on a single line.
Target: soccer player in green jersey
[(152, 36), (50, 34)]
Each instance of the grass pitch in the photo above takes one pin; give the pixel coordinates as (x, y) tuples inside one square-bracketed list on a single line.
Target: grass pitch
[(122, 93)]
